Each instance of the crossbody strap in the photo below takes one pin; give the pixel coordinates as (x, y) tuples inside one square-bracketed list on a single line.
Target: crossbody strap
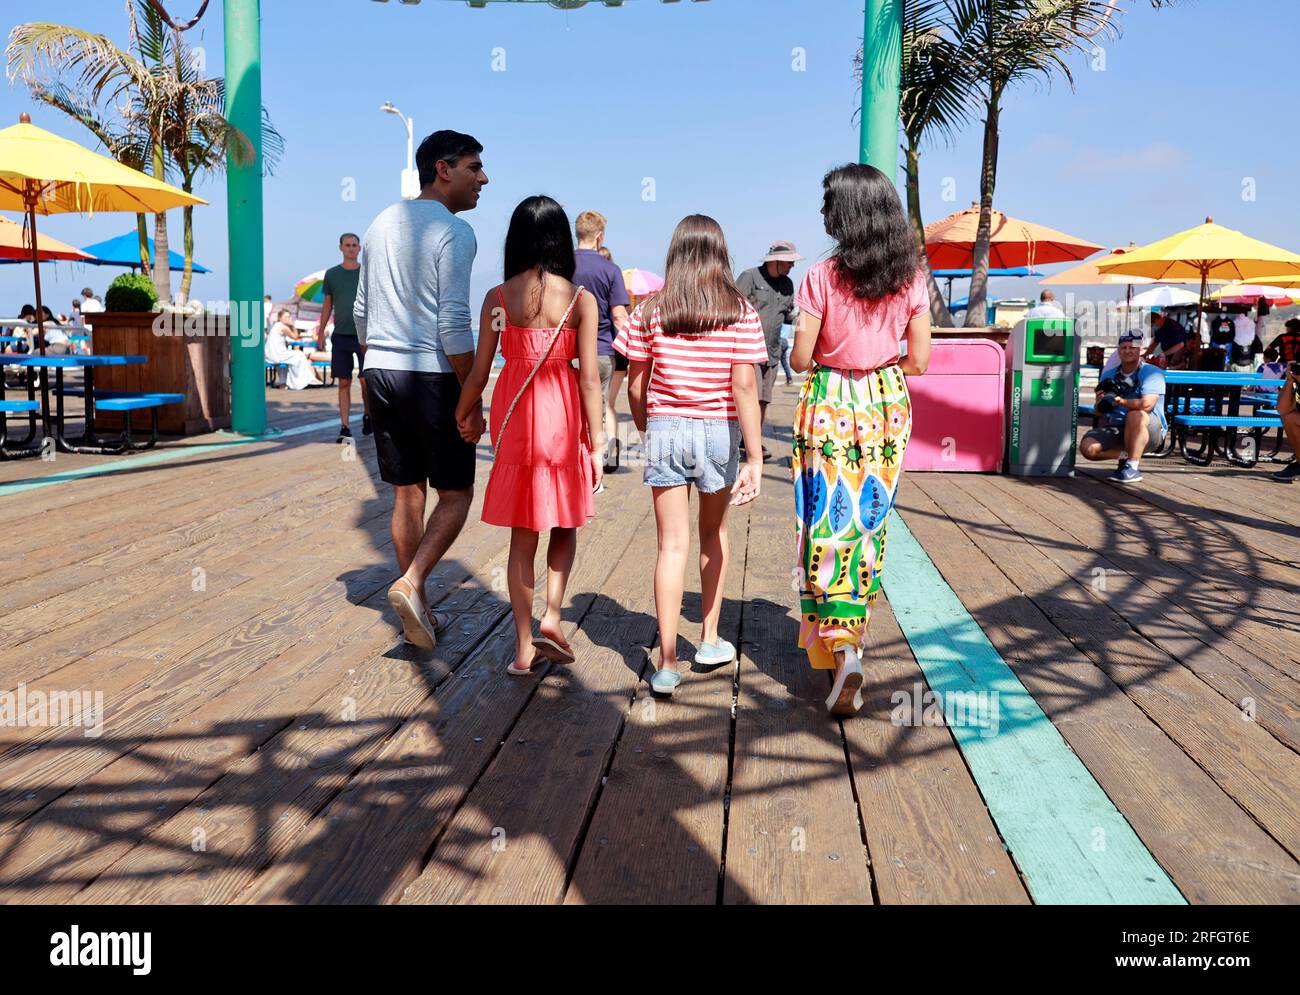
[(542, 359)]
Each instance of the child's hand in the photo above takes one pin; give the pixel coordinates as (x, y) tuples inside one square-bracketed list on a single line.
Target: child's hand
[(597, 469), (748, 483), (471, 426)]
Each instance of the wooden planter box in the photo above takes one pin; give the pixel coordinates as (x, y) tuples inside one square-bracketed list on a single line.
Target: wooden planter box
[(188, 354)]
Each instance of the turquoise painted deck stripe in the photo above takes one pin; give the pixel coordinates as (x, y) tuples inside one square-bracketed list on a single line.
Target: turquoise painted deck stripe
[(158, 456), (1050, 810)]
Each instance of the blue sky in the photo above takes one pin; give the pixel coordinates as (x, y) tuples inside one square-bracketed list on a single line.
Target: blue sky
[(734, 108)]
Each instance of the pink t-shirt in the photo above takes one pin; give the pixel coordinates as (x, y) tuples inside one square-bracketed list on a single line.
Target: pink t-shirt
[(691, 376), (858, 335)]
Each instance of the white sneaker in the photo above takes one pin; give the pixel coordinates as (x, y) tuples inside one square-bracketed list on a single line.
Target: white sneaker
[(846, 696)]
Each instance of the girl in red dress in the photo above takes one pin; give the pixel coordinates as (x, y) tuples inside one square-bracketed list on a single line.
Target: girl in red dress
[(544, 472)]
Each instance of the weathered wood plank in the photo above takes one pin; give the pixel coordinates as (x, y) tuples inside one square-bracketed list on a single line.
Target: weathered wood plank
[(1212, 849)]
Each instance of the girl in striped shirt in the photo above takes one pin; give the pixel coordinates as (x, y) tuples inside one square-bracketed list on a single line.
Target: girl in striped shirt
[(691, 351)]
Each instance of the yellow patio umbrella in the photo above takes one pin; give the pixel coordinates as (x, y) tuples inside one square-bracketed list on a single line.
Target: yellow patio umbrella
[(1285, 280), (1086, 274), (1206, 252), (41, 173)]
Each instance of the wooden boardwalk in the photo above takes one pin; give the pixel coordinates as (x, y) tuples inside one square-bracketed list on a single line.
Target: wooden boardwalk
[(267, 737)]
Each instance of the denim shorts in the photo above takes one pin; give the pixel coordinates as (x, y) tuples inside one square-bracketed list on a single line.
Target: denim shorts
[(700, 451)]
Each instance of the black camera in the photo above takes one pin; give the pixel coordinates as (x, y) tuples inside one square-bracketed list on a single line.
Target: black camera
[(1107, 402)]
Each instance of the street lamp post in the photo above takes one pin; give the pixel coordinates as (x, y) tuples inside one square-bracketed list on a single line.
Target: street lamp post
[(410, 178)]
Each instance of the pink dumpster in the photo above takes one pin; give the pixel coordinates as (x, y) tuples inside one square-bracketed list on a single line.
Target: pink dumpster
[(957, 408)]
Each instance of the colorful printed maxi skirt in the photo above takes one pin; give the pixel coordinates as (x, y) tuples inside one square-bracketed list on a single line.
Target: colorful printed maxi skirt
[(850, 429)]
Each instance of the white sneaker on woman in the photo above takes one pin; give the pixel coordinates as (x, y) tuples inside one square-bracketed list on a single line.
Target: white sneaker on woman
[(846, 696)]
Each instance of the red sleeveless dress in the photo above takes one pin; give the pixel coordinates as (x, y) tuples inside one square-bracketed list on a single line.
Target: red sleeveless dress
[(541, 475)]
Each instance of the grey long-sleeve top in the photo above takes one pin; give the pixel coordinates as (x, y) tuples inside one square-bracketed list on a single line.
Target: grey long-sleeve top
[(412, 308)]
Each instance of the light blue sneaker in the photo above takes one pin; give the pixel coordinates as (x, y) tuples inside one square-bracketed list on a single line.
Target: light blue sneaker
[(715, 654), (664, 681)]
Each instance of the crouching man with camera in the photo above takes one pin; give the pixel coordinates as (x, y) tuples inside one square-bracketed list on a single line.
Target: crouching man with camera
[(1131, 406)]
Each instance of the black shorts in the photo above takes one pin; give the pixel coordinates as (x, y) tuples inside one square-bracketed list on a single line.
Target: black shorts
[(344, 347), (416, 440), (620, 362)]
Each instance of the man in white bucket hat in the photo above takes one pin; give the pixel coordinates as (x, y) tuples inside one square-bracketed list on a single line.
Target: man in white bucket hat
[(771, 291)]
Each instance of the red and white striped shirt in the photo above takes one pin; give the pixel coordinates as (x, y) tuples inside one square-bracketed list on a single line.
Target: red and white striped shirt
[(690, 376)]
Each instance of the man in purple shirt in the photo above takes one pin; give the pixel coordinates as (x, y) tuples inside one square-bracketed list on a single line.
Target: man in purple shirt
[(605, 281)]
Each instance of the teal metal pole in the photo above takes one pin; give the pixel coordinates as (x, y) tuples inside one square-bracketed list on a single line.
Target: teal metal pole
[(243, 44), (882, 63)]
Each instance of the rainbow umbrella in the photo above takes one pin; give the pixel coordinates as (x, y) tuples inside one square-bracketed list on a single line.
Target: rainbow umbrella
[(640, 282), (311, 288)]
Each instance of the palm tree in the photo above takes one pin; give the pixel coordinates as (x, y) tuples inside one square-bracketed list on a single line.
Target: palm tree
[(197, 137), (165, 116), (935, 98), (1011, 42)]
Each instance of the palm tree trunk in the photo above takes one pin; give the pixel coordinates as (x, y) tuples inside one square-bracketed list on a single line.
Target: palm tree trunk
[(187, 277), (142, 229), (979, 279), (162, 271), (939, 313)]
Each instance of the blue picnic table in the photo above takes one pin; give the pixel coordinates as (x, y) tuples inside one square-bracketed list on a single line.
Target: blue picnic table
[(52, 417), (1208, 403)]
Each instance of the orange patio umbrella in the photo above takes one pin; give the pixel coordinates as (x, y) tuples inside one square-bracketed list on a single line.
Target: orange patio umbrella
[(16, 243), (950, 243)]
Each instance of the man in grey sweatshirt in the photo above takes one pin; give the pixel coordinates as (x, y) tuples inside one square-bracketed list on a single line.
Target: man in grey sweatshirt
[(413, 318)]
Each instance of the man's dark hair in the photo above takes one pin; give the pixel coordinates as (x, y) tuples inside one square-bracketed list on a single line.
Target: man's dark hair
[(349, 234), (443, 146)]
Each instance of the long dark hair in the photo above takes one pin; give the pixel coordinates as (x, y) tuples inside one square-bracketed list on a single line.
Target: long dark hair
[(538, 239), (875, 253), (699, 295)]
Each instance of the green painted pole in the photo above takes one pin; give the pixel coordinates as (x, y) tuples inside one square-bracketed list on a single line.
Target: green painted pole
[(882, 65), (243, 45)]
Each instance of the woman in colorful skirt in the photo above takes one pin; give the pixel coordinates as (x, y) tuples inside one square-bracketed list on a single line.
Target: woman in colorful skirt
[(854, 416)]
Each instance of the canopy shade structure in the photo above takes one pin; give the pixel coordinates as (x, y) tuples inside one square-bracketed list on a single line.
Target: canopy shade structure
[(1087, 274), (311, 288), (1164, 297), (640, 282), (1250, 293), (41, 171), (16, 246), (950, 242), (1285, 280), (964, 274), (1206, 252), (125, 251)]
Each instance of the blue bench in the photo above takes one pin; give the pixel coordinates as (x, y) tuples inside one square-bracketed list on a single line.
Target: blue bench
[(126, 402), (28, 408), (273, 368), (1207, 402)]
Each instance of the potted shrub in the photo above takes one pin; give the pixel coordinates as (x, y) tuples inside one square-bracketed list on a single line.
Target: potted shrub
[(131, 292), (193, 361)]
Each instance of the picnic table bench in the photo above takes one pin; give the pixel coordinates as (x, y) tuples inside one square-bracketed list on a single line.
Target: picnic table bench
[(53, 420), (321, 364), (1208, 403)]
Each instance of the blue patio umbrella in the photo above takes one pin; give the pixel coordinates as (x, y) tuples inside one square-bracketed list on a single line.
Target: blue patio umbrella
[(125, 251), (964, 274)]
